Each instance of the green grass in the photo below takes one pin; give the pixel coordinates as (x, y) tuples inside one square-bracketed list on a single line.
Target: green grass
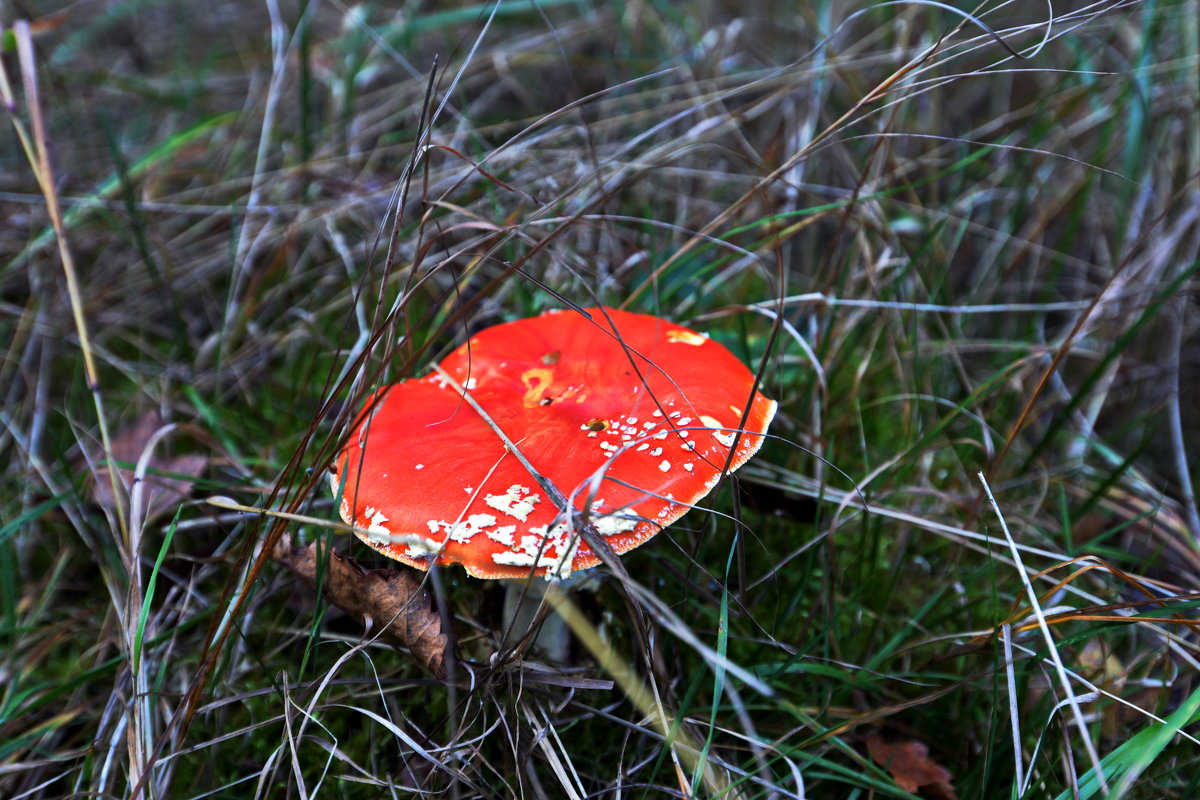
[(946, 260)]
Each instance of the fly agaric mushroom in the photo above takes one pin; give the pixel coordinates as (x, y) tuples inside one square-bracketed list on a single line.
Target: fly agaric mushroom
[(652, 408)]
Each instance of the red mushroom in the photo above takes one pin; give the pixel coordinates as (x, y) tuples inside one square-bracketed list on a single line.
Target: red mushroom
[(631, 417)]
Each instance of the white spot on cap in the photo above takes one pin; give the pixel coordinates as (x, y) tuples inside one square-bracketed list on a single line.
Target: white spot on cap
[(564, 563), (685, 420), (420, 466), (423, 548), (724, 438), (613, 524), (684, 336), (656, 451), (548, 547), (631, 420), (376, 533), (503, 535), (710, 422), (665, 465), (517, 502), (643, 446), (465, 529), (689, 467), (531, 545), (559, 567), (656, 413)]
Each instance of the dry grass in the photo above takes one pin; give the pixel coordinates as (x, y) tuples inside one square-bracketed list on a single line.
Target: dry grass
[(960, 270)]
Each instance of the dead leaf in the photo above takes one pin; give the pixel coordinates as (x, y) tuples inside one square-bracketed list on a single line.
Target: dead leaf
[(38, 26), (163, 489), (375, 597), (910, 764)]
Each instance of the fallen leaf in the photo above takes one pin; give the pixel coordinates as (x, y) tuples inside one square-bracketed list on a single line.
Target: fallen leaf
[(38, 26), (375, 597), (910, 764), (163, 488)]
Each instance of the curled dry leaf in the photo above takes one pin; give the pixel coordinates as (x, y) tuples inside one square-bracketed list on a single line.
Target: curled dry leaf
[(910, 764), (389, 597), (168, 478)]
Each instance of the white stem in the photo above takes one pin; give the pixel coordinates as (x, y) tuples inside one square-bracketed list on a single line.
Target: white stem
[(523, 599)]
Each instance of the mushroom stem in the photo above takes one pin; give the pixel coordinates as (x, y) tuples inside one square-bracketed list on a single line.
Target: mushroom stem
[(523, 602)]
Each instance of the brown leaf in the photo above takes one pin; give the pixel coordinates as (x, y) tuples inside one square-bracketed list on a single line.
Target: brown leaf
[(161, 493), (910, 764), (38, 26), (375, 597)]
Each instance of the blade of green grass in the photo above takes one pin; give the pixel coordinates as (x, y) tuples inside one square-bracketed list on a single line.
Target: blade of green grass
[(1125, 765)]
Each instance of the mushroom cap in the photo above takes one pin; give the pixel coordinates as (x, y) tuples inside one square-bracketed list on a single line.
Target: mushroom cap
[(423, 476)]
